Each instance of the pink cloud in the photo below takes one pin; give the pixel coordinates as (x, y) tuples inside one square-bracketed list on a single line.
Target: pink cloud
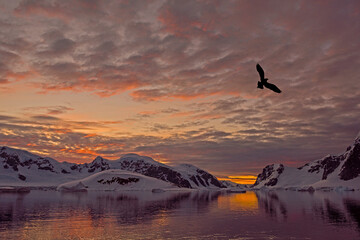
[(42, 8)]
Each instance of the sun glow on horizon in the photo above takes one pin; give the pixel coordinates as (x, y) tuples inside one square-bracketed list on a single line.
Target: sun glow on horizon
[(241, 179), (246, 200)]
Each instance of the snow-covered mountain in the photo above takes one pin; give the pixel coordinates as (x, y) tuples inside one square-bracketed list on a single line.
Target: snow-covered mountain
[(234, 187), (230, 184), (19, 167), (197, 177), (341, 171), (116, 179)]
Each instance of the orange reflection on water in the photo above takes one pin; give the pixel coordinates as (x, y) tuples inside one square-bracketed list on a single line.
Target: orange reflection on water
[(240, 201), (78, 226)]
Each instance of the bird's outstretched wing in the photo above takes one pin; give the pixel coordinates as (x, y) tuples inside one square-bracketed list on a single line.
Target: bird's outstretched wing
[(261, 71), (272, 87)]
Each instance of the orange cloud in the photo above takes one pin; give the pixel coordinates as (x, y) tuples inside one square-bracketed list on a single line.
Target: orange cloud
[(32, 145), (208, 116), (91, 135), (41, 9), (80, 151), (18, 76), (62, 131), (147, 112), (182, 114), (112, 122), (162, 95)]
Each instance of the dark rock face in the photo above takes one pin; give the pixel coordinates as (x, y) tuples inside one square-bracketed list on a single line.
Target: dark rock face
[(98, 164), (162, 172), (206, 176), (350, 161), (192, 178), (330, 164), (119, 180), (44, 164), (272, 182), (267, 171), (315, 168), (74, 167), (14, 161), (46, 168), (11, 160), (22, 177), (351, 168), (159, 172), (200, 180)]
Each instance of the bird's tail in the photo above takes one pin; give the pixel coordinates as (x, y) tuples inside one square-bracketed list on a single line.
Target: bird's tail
[(260, 85)]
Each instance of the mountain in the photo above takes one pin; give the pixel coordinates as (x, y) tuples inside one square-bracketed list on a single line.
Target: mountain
[(230, 184), (197, 177), (332, 171), (234, 187), (115, 179), (19, 167)]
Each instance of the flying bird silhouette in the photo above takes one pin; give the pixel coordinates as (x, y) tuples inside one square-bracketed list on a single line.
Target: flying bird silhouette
[(264, 81)]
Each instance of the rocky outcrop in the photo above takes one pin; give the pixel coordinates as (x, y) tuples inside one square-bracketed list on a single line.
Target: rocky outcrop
[(351, 168), (136, 163), (98, 164), (329, 171), (269, 175)]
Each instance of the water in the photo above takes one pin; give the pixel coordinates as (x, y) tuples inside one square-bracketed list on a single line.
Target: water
[(196, 215)]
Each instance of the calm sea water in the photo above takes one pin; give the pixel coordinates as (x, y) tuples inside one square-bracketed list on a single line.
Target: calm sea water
[(196, 215)]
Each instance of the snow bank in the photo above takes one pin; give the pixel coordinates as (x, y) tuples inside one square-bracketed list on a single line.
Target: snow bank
[(116, 180)]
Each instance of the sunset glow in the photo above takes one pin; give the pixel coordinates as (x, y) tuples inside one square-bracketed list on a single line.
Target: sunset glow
[(176, 81)]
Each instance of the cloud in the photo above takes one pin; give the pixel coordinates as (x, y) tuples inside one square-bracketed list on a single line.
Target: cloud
[(174, 49), (59, 9), (4, 81), (244, 151), (188, 70), (49, 110), (45, 118), (58, 48), (160, 127)]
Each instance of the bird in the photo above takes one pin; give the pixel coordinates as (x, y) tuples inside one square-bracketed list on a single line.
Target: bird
[(264, 81)]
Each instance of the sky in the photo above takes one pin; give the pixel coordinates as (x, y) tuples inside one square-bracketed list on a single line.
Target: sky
[(176, 81)]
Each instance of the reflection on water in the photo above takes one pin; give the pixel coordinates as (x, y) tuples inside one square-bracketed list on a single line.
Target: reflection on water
[(176, 215), (272, 205)]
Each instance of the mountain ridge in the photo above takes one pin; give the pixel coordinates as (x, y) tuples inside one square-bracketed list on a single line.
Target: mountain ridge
[(22, 167), (331, 171)]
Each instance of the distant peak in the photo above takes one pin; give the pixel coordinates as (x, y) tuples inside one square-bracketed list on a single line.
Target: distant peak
[(3, 148), (137, 157), (358, 136), (15, 150), (131, 155), (186, 166), (98, 158)]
